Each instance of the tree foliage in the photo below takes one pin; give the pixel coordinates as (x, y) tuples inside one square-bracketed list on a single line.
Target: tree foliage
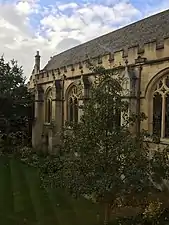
[(102, 158), (99, 149), (15, 102)]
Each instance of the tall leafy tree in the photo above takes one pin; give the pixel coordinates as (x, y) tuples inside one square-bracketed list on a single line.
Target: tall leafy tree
[(101, 158), (15, 102)]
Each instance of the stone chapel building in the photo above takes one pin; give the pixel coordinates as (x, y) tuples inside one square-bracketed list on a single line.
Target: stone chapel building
[(139, 51)]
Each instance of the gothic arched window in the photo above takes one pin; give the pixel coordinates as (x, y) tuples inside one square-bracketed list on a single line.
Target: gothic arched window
[(161, 108), (73, 105), (48, 106)]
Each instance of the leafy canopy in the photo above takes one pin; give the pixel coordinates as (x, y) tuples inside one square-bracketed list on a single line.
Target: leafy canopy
[(15, 100), (102, 158), (100, 148)]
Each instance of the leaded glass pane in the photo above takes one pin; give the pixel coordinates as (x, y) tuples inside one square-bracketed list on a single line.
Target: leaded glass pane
[(157, 114)]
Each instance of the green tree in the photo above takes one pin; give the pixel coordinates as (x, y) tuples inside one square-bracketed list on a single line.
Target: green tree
[(15, 102), (99, 150), (101, 158)]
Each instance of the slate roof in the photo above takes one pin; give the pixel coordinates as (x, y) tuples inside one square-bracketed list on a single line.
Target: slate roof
[(143, 31)]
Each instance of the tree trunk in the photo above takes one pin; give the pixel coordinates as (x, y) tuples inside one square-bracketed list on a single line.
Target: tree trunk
[(106, 213)]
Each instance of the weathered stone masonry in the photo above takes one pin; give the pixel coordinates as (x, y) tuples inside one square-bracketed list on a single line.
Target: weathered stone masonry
[(140, 52)]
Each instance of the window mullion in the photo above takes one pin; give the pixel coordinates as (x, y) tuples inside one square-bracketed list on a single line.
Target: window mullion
[(50, 110), (163, 116), (46, 110), (73, 110)]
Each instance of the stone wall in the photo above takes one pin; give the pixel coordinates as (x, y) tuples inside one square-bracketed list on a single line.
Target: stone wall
[(155, 64)]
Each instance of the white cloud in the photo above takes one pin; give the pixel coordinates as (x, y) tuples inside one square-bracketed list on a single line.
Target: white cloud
[(23, 7), (7, 25), (27, 6), (87, 22), (71, 5), (27, 26)]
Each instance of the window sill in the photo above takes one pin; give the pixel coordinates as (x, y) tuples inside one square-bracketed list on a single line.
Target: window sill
[(164, 141), (47, 124)]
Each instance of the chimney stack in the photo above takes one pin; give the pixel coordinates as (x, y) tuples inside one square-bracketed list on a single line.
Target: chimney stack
[(37, 63)]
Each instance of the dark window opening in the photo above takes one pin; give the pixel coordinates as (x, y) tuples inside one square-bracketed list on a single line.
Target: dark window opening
[(167, 117), (46, 140), (167, 81), (157, 114), (75, 110), (49, 110), (117, 118), (70, 110)]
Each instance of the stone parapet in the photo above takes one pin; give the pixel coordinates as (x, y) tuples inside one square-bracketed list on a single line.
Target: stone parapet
[(151, 51)]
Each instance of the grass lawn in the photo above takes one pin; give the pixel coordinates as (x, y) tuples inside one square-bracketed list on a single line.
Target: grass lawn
[(23, 200)]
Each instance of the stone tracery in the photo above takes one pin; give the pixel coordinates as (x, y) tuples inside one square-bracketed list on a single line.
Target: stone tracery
[(48, 106), (73, 105), (161, 108)]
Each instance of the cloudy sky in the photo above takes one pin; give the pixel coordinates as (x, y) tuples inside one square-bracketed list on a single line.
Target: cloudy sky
[(53, 26)]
